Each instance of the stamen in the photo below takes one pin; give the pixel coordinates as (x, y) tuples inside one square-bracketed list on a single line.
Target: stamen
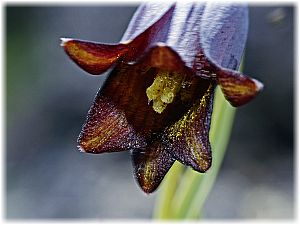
[(164, 89)]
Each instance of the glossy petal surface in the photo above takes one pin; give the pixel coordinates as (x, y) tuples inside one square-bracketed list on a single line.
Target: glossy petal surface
[(151, 165), (107, 129), (238, 89), (94, 58), (188, 138)]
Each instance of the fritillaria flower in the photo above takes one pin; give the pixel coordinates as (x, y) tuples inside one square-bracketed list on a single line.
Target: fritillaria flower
[(157, 101)]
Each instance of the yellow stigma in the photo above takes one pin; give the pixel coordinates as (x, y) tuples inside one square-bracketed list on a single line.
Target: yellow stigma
[(163, 89)]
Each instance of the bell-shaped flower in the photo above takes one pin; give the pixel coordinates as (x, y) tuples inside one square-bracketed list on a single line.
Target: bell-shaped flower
[(157, 101)]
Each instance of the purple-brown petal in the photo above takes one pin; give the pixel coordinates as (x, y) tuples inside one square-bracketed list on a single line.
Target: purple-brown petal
[(151, 165), (107, 130), (237, 88), (188, 139), (164, 57), (94, 58)]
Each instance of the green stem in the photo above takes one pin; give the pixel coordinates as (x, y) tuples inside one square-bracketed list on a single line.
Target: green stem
[(167, 191)]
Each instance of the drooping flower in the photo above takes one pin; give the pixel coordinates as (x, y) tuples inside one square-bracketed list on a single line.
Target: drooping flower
[(157, 101)]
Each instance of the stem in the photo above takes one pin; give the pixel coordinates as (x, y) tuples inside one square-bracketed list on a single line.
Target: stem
[(167, 191)]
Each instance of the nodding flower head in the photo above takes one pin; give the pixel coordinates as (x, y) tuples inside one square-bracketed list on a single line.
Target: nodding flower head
[(158, 99)]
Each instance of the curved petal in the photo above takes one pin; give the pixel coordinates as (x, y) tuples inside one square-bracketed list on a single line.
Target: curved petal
[(151, 165), (237, 88), (184, 32), (164, 57), (94, 58), (223, 30), (107, 129), (146, 15), (157, 32), (188, 139)]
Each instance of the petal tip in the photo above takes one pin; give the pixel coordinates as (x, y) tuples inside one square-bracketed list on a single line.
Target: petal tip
[(80, 148), (259, 85), (126, 42), (238, 88), (161, 44), (64, 41), (202, 168), (147, 190), (201, 165)]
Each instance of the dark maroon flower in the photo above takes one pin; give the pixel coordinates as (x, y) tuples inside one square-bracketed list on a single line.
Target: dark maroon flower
[(157, 101)]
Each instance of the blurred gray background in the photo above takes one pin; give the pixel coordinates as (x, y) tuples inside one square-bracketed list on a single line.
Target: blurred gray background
[(47, 98)]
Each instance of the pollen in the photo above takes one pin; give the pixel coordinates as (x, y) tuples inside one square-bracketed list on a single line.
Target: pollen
[(164, 89)]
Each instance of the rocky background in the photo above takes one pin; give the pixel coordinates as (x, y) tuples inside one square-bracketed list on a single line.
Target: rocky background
[(47, 98)]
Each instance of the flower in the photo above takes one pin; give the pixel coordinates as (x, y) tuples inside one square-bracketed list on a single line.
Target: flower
[(157, 101)]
